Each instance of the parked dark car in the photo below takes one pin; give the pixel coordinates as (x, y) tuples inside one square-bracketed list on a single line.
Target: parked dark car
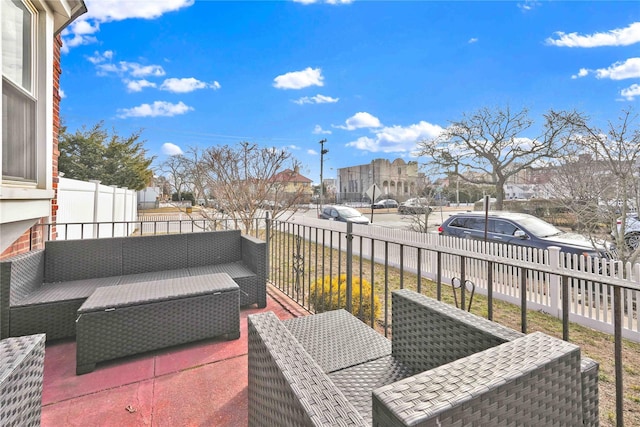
[(385, 204), (343, 214), (518, 229)]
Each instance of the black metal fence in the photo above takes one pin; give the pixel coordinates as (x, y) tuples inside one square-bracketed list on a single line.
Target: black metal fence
[(329, 266)]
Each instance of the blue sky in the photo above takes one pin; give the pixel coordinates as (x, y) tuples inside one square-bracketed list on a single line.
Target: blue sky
[(372, 77)]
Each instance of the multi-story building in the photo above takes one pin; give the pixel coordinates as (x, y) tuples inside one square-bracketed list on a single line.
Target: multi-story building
[(396, 179), (30, 63)]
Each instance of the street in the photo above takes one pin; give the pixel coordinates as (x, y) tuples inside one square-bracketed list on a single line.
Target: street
[(392, 219)]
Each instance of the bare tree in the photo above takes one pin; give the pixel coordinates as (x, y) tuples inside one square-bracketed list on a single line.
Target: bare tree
[(176, 170), (600, 184), (245, 180), (489, 146)]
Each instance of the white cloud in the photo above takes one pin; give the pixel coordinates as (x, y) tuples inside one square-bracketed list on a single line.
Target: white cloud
[(318, 99), (319, 131), (132, 69), (473, 40), (629, 69), (582, 73), (138, 85), (397, 139), (171, 149), (138, 70), (99, 58), (82, 31), (299, 79), (294, 147), (528, 5), (62, 94), (361, 120), (631, 92), (618, 37), (312, 152), (621, 70), (186, 85), (325, 1), (157, 109)]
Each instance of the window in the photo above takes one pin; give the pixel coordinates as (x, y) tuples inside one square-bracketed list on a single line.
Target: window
[(19, 140), (502, 227)]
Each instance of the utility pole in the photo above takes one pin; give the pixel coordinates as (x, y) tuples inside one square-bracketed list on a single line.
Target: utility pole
[(323, 151)]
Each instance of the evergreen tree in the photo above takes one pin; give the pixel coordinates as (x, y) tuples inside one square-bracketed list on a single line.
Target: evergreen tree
[(114, 160)]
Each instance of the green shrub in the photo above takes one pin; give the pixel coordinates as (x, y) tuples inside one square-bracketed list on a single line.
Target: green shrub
[(330, 293)]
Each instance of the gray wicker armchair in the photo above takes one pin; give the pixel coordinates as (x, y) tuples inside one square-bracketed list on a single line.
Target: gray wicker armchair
[(443, 367)]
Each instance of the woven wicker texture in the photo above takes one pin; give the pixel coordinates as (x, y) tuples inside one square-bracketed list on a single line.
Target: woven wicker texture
[(235, 270), (247, 280), (357, 382), (154, 253), (19, 276), (67, 260), (254, 255), (155, 291), (153, 275), (203, 250), (56, 320), (428, 333), (27, 306), (158, 323), (286, 386), (63, 291), (590, 401), (21, 374), (338, 340), (533, 380), (27, 273)]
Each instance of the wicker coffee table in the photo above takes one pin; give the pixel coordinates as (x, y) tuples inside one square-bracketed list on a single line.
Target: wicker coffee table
[(124, 320)]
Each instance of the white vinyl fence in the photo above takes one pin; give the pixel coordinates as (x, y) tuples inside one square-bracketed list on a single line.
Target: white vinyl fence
[(590, 280), (90, 209)]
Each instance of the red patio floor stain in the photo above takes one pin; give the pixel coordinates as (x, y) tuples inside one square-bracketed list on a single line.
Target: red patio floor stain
[(199, 384)]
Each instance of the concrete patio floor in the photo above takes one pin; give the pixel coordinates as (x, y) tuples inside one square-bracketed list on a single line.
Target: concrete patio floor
[(200, 384)]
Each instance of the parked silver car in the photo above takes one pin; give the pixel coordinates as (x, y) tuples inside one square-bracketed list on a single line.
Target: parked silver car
[(343, 214), (519, 229), (417, 205), (385, 204)]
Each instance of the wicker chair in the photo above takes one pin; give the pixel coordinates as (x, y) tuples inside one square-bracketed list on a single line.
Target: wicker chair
[(444, 366)]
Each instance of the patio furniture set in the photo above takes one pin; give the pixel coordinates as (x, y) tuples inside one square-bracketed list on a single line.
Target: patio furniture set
[(443, 367), (122, 296)]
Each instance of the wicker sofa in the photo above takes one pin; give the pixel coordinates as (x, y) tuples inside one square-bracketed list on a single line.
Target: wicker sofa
[(41, 291), (443, 367)]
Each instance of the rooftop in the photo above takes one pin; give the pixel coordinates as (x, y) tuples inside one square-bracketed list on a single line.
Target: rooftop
[(199, 384)]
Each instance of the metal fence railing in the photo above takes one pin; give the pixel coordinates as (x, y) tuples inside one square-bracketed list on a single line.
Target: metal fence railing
[(329, 264)]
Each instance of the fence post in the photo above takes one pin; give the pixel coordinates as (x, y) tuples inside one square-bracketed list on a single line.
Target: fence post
[(96, 197), (267, 239), (554, 282), (349, 237)]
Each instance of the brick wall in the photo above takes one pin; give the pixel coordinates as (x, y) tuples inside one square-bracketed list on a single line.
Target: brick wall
[(34, 238)]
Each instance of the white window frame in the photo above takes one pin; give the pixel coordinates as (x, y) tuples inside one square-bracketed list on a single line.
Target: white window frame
[(19, 199)]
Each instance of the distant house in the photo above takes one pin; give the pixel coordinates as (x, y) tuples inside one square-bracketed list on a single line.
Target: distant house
[(31, 70), (291, 182)]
